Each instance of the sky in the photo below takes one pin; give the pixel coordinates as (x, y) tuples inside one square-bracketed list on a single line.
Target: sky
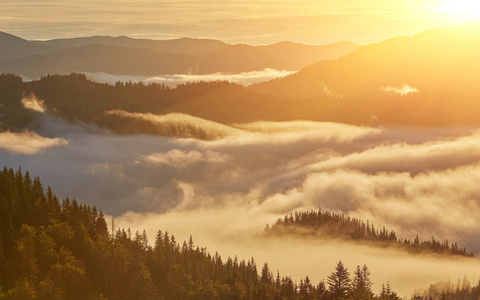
[(251, 22)]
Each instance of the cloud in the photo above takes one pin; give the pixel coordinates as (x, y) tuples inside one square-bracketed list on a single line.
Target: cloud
[(310, 22), (225, 189), (414, 158), (231, 230), (399, 91), (27, 142), (179, 124), (181, 159), (244, 78), (31, 102)]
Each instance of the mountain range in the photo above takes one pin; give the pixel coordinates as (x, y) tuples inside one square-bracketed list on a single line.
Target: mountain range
[(428, 79), (128, 56)]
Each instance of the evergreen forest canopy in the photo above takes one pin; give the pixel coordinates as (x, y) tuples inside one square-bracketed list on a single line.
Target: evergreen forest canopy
[(53, 250), (324, 224), (64, 250)]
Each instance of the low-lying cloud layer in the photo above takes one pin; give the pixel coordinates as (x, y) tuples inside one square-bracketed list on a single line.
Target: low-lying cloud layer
[(222, 191), (27, 142), (243, 78)]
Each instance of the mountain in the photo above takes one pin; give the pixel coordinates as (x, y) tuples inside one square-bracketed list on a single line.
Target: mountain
[(281, 56), (306, 54), (101, 58), (127, 56), (438, 59), (189, 46), (239, 58), (12, 47), (430, 78)]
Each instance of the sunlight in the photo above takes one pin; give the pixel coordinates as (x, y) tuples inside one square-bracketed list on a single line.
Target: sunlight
[(467, 10)]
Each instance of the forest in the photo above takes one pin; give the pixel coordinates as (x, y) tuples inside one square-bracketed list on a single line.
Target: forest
[(76, 99), (64, 250), (325, 224)]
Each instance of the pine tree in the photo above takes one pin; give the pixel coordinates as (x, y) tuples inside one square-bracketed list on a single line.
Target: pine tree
[(339, 282)]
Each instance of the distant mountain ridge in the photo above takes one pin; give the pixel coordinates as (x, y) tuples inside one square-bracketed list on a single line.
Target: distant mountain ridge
[(189, 46), (430, 78), (128, 56), (438, 57), (12, 47)]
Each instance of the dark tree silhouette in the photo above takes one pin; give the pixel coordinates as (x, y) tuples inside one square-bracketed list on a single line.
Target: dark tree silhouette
[(339, 282)]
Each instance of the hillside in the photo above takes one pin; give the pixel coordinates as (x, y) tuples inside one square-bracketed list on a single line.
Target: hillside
[(327, 225), (188, 46), (12, 47), (306, 54), (64, 250), (438, 57), (101, 58), (438, 68), (237, 59), (140, 57)]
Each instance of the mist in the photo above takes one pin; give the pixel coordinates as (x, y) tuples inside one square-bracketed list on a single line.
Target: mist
[(244, 78), (231, 231), (224, 190)]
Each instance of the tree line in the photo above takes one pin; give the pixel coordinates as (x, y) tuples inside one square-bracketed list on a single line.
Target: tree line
[(327, 224), (74, 98), (64, 250)]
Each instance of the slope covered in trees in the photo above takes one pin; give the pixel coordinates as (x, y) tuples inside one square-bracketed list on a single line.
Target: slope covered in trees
[(53, 250), (324, 224)]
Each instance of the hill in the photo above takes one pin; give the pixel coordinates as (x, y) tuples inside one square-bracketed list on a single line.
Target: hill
[(12, 47), (188, 46), (101, 58), (238, 58), (327, 225), (64, 250), (432, 74), (141, 57), (305, 55)]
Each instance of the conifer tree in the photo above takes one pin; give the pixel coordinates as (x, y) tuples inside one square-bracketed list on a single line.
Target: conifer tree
[(339, 282)]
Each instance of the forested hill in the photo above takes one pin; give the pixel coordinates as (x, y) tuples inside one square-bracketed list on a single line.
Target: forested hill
[(52, 250), (324, 224), (75, 98)]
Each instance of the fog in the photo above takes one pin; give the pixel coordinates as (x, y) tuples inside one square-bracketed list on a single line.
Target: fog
[(401, 91), (27, 142), (223, 191), (31, 102), (231, 231), (244, 78)]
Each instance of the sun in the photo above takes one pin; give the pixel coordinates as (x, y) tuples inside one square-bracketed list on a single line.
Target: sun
[(462, 9)]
